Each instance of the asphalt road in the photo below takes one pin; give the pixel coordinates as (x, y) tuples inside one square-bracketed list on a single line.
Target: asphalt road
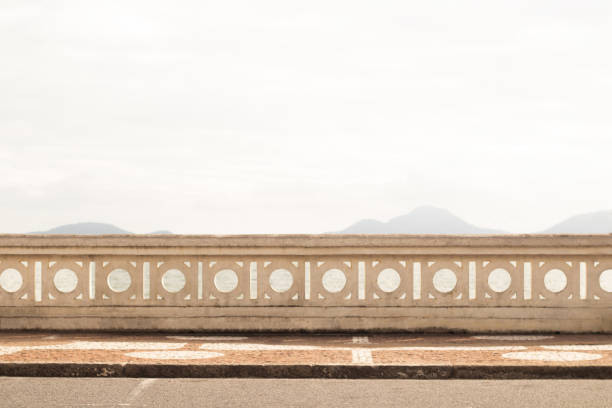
[(168, 393)]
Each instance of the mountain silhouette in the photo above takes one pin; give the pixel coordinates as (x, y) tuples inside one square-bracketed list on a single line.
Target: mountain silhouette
[(161, 232), (422, 220), (90, 228), (591, 223)]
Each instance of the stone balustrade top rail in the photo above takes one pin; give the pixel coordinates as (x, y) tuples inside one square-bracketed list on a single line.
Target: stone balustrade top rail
[(401, 243)]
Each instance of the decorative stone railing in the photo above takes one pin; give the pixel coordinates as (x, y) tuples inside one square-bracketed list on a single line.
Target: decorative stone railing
[(307, 282)]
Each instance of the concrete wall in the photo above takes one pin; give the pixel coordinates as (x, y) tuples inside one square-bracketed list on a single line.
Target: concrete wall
[(499, 283)]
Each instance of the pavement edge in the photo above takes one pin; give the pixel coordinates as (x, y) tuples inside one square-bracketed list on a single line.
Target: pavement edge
[(429, 372)]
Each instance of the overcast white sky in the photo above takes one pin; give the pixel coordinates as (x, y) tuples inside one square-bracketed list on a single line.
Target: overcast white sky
[(286, 116)]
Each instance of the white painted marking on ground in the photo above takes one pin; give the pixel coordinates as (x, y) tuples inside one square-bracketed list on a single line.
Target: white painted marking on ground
[(138, 390), (513, 338), (581, 347), (174, 355), (50, 338), (362, 356), (281, 347), (552, 356), (456, 348), (10, 349), (208, 338), (361, 340), (257, 347), (109, 345)]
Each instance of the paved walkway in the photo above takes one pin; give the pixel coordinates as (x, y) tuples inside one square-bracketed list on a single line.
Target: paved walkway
[(346, 356)]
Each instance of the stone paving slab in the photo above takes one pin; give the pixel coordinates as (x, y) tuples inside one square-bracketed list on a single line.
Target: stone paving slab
[(297, 355)]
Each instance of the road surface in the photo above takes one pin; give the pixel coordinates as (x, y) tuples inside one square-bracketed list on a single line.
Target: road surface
[(176, 392)]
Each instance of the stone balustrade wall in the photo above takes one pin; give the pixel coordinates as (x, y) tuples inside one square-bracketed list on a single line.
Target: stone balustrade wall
[(303, 282)]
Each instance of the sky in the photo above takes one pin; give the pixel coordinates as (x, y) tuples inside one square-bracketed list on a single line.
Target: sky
[(231, 117)]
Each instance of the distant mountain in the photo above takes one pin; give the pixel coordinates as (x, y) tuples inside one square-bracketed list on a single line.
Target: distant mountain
[(591, 223), (422, 220), (90, 228), (161, 232)]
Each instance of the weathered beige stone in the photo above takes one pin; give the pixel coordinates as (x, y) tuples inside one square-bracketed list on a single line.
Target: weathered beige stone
[(578, 303)]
